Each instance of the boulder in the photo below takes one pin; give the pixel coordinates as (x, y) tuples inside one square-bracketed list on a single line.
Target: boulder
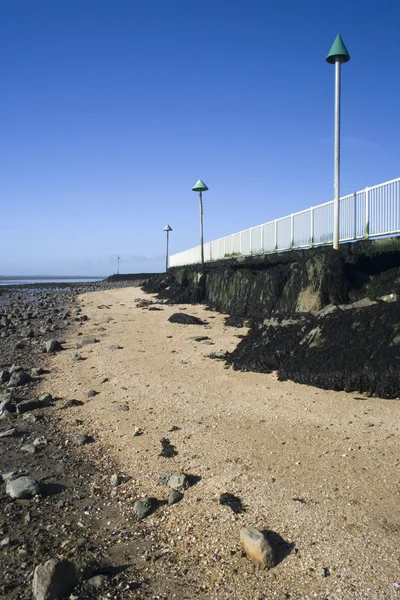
[(257, 547), (54, 579)]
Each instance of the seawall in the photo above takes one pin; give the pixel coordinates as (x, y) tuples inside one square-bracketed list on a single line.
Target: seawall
[(323, 317)]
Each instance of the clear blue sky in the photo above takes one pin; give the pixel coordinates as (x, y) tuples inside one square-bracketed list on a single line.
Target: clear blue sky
[(111, 110)]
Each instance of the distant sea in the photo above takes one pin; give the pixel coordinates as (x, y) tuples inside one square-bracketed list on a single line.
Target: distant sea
[(30, 280)]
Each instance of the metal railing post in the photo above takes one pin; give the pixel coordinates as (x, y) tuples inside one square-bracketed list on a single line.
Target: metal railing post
[(355, 216), (312, 226), (292, 231), (366, 213)]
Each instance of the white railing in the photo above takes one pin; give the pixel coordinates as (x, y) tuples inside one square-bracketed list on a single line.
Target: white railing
[(373, 212)]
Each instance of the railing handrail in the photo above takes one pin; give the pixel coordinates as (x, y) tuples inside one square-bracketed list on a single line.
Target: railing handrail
[(380, 222)]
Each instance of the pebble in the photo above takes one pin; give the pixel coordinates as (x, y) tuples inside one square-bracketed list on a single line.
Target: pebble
[(29, 448), (9, 433), (92, 393)]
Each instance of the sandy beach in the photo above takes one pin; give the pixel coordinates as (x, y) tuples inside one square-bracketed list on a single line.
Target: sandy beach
[(319, 470)]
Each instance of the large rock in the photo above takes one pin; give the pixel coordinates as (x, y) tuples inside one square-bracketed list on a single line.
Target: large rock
[(184, 319), (18, 378), (52, 346), (257, 547), (28, 405), (54, 579), (23, 488), (4, 376), (144, 507), (175, 480)]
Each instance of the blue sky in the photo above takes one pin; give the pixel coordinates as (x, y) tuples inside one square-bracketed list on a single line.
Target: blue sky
[(111, 110)]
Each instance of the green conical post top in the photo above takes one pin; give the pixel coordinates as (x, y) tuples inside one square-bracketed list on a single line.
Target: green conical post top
[(338, 50), (200, 186)]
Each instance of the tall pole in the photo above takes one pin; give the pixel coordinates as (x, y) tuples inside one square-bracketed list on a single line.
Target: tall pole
[(117, 265), (167, 229), (166, 254), (201, 229), (336, 206), (337, 55)]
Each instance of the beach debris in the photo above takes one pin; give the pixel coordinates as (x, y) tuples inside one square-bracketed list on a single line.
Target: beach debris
[(137, 431), (71, 403), (77, 357), (168, 449), (115, 347), (233, 502), (54, 579), (22, 487), (257, 547), (184, 319), (92, 393)]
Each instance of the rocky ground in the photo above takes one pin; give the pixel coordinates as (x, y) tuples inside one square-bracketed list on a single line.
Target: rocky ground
[(151, 454), (73, 515)]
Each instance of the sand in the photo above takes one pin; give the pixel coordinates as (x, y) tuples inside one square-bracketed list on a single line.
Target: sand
[(319, 470)]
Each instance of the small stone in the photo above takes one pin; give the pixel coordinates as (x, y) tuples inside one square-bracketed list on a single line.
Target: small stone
[(92, 393), (82, 440), (144, 507), (54, 579), (9, 433), (115, 347), (88, 340), (29, 448), (30, 417), (46, 398), (23, 487), (52, 346), (98, 582), (36, 372), (174, 497), (115, 479), (137, 431), (77, 357), (40, 441), (257, 547), (5, 542), (104, 380)]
